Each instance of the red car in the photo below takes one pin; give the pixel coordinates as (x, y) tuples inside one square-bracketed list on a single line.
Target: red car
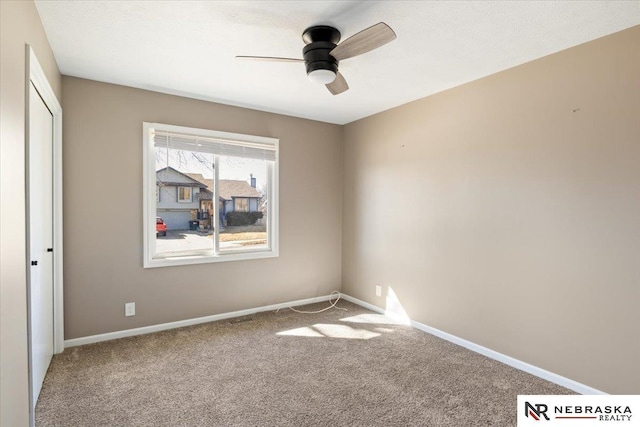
[(161, 227)]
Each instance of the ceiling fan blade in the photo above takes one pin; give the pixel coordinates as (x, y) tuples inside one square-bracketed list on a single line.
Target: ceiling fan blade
[(364, 41), (339, 85), (270, 58)]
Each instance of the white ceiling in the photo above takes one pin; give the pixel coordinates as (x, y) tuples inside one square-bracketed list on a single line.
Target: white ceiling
[(187, 47)]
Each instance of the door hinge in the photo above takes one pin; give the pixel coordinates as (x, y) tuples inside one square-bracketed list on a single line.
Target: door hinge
[(34, 262), (49, 249)]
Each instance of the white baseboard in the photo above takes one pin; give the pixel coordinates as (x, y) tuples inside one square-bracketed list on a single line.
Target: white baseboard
[(492, 354), (362, 303), (188, 322)]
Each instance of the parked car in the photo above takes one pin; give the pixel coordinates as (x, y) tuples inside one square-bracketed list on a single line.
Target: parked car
[(161, 227)]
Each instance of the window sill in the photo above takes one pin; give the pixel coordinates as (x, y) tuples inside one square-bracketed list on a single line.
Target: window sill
[(170, 261)]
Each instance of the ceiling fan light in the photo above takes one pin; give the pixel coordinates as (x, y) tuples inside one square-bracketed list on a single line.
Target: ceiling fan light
[(322, 76)]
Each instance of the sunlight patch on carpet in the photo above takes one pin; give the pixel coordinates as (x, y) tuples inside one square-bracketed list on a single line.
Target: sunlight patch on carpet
[(378, 319), (330, 331), (301, 332)]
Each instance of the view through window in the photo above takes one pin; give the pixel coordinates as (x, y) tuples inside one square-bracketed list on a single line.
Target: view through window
[(212, 195)]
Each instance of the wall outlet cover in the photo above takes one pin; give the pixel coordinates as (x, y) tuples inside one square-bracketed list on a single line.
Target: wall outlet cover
[(130, 309)]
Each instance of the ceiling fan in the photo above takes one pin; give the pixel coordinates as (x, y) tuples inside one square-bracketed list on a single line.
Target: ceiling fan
[(322, 52)]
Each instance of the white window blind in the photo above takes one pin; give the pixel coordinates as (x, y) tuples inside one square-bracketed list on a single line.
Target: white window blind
[(224, 147)]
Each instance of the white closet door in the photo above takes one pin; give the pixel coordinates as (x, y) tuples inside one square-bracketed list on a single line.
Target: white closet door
[(40, 239)]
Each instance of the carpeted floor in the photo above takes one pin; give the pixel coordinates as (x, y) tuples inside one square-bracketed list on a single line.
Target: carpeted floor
[(337, 368)]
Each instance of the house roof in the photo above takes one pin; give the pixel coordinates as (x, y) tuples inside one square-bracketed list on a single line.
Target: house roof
[(232, 188), (192, 177), (228, 188), (208, 183)]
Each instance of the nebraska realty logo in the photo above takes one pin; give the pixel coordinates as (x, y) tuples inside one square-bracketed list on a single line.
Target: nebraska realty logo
[(587, 410)]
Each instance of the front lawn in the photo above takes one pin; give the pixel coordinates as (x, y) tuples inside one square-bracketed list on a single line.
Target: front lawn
[(250, 234), (233, 237)]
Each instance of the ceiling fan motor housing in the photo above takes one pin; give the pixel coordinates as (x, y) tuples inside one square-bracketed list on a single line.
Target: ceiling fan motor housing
[(320, 41)]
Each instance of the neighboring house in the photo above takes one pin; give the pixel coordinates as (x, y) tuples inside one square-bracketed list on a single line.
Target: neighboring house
[(239, 195), (183, 197), (235, 195), (177, 195)]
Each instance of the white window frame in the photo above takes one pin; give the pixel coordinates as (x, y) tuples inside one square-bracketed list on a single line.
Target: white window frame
[(150, 258), (190, 199)]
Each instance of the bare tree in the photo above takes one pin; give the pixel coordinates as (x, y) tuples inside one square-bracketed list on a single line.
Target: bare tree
[(262, 202)]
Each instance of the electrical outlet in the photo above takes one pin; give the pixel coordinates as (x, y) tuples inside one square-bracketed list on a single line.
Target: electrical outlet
[(130, 309), (378, 290)]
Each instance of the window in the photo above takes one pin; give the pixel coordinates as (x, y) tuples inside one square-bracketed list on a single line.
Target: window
[(184, 195), (200, 166), (242, 205)]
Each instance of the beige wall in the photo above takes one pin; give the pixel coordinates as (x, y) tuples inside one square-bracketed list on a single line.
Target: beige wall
[(103, 213), (507, 211), (19, 25)]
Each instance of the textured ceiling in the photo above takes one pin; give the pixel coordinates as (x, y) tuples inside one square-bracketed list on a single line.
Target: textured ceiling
[(188, 47)]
